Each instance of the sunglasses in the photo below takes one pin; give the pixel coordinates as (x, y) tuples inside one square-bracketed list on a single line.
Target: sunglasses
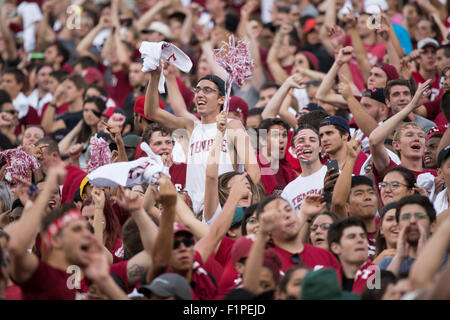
[(188, 242)]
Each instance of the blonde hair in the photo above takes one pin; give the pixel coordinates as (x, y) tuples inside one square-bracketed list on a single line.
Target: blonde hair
[(403, 127)]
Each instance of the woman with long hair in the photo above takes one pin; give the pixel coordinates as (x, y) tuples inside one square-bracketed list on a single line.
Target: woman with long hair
[(99, 213), (387, 235)]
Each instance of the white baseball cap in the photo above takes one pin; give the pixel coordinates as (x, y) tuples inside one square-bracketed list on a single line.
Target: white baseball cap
[(426, 42), (161, 28)]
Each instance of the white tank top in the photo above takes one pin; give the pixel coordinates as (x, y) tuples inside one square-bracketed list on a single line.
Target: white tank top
[(200, 143)]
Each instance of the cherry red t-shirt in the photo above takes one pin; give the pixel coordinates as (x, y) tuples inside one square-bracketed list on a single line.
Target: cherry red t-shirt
[(313, 258), (117, 252), (361, 277), (32, 118), (48, 283), (13, 292), (275, 181), (178, 175)]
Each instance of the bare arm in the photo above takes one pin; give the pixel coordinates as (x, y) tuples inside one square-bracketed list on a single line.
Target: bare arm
[(430, 258), (258, 78), (86, 43), (211, 200), (360, 50), (273, 106), (206, 245), (285, 114), (152, 109), (44, 32), (364, 121), (244, 149), (186, 216), (24, 231), (99, 220), (344, 182), (174, 95), (68, 140), (10, 44), (207, 50), (275, 67), (147, 17), (379, 154), (162, 250)]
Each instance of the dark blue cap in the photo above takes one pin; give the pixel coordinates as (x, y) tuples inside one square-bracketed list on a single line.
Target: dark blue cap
[(336, 121), (444, 154), (218, 81)]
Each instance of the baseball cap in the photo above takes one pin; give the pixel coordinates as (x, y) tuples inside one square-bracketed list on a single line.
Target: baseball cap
[(313, 106), (389, 69), (444, 154), (239, 105), (427, 42), (323, 284), (311, 58), (168, 285), (241, 248), (92, 75), (375, 94), (178, 227), (218, 81), (131, 140), (336, 121), (161, 28), (434, 131), (309, 25), (139, 106)]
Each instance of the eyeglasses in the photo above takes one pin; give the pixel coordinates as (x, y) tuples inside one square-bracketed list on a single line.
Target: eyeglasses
[(188, 242), (393, 185), (323, 226), (252, 220), (206, 90), (417, 215)]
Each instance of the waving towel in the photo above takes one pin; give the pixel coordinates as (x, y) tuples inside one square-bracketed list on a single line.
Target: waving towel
[(128, 174), (152, 52)]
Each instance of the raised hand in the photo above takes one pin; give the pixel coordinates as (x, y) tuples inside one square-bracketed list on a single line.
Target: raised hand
[(201, 33), (98, 195), (296, 81), (169, 70), (312, 205), (114, 131), (128, 200), (56, 175), (240, 187), (268, 222), (167, 193), (330, 180), (337, 37), (221, 120), (97, 269), (37, 152), (286, 29), (353, 148), (402, 244), (422, 91), (76, 150), (344, 55), (345, 90)]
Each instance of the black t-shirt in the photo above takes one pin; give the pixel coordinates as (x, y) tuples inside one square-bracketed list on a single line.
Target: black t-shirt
[(347, 284), (70, 119)]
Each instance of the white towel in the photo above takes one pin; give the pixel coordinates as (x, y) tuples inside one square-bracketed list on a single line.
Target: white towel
[(152, 52), (131, 173), (426, 181), (441, 202)]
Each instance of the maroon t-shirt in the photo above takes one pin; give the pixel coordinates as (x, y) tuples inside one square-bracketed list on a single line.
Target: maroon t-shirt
[(48, 283), (178, 175), (418, 79), (275, 182), (313, 258), (32, 118)]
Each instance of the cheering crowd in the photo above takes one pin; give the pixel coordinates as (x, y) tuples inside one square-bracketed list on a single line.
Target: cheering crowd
[(132, 167)]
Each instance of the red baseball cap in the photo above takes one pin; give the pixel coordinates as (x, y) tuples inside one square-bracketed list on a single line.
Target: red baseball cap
[(139, 106), (436, 130), (239, 105), (309, 25), (241, 248), (178, 227), (92, 75)]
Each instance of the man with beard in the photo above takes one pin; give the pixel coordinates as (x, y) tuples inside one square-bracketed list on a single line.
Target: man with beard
[(416, 218), (306, 143)]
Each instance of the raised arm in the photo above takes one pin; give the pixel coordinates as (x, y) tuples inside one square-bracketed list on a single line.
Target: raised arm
[(66, 142), (430, 257), (44, 32), (98, 196), (344, 182), (244, 149), (162, 250), (364, 121), (275, 67), (379, 154), (147, 17), (273, 106), (386, 35), (258, 78), (174, 95), (86, 43), (211, 200), (206, 245), (10, 44), (23, 232), (152, 109)]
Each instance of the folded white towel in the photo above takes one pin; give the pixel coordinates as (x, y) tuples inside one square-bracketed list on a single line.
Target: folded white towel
[(152, 52)]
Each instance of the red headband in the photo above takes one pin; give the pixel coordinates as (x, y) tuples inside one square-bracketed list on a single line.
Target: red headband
[(60, 223)]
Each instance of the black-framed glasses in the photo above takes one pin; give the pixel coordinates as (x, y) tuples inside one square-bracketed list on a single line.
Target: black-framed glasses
[(206, 90), (323, 226), (188, 242), (393, 185)]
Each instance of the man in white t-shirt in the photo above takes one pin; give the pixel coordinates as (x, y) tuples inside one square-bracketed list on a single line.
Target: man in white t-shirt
[(306, 143)]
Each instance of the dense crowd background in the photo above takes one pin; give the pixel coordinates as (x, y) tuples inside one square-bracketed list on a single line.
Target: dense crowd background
[(326, 179)]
